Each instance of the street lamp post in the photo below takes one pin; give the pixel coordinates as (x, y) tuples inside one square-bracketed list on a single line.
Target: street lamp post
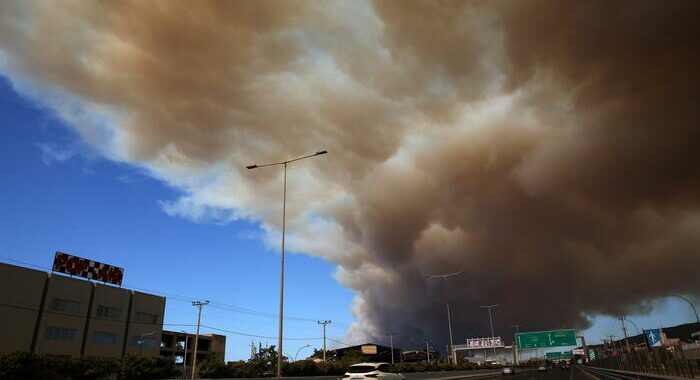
[(633, 324), (300, 348), (515, 343), (184, 357), (689, 303), (491, 322), (391, 344), (284, 216), (453, 354)]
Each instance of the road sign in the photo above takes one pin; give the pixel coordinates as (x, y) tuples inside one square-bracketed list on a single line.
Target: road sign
[(559, 355), (479, 343), (653, 337), (591, 354), (540, 339), (578, 351)]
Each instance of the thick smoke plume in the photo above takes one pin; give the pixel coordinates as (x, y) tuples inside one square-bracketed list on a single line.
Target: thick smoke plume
[(548, 149)]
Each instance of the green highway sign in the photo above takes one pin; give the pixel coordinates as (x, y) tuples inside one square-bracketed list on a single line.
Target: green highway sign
[(559, 355), (541, 339)]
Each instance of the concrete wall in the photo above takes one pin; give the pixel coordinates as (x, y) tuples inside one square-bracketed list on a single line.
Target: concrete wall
[(143, 303), (114, 298), (71, 305), (21, 290), (64, 288)]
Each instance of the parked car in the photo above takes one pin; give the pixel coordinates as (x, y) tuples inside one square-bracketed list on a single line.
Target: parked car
[(542, 368), (370, 371), (508, 371)]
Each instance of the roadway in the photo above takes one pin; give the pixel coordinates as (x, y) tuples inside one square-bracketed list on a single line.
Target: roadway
[(553, 374)]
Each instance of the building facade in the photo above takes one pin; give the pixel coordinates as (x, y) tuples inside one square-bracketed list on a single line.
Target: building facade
[(180, 347), (50, 313)]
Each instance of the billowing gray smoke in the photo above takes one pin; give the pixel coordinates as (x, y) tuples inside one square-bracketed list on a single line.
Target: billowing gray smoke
[(548, 149)]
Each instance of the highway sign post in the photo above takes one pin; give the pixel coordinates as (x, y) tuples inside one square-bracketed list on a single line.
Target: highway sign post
[(544, 339)]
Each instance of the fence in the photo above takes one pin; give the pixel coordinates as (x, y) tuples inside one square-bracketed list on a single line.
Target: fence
[(663, 361)]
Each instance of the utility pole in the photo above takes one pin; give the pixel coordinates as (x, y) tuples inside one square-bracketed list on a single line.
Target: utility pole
[(491, 322), (427, 350), (624, 331), (453, 354), (515, 342), (391, 343), (324, 323), (284, 223), (200, 305)]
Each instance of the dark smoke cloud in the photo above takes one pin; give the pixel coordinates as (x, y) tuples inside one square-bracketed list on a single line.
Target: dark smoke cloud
[(548, 149)]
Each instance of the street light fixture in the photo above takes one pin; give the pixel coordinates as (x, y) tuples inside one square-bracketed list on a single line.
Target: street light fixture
[(284, 215), (689, 303), (447, 306), (300, 348), (141, 340)]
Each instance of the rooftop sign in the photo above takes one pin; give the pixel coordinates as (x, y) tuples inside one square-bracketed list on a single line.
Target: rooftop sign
[(93, 270)]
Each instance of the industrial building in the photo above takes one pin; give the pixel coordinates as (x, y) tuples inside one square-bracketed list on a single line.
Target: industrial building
[(51, 313), (180, 346)]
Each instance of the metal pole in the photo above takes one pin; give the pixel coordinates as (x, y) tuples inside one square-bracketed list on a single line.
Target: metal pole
[(324, 323), (427, 351), (453, 354), (491, 322), (184, 358), (586, 358), (391, 343), (624, 331), (196, 337), (689, 303), (515, 343), (284, 217)]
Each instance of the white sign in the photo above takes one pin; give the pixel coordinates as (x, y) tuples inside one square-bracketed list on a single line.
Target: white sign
[(479, 343), (578, 351)]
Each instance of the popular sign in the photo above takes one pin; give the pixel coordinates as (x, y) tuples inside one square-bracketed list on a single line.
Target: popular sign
[(539, 339), (478, 343), (77, 266)]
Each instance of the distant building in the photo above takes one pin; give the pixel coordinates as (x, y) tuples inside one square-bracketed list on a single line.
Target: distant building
[(368, 352), (420, 356), (173, 346), (50, 313)]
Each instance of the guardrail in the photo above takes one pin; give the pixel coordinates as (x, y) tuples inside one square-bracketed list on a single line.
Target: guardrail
[(615, 374)]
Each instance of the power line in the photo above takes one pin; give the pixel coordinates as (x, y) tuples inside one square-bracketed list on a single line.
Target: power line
[(188, 298), (256, 336)]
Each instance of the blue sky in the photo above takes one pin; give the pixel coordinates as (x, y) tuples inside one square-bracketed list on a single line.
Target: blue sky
[(77, 202), (57, 194)]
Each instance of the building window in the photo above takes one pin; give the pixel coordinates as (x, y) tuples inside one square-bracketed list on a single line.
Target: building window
[(104, 338), (108, 312), (148, 341), (60, 333), (66, 306), (142, 317)]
